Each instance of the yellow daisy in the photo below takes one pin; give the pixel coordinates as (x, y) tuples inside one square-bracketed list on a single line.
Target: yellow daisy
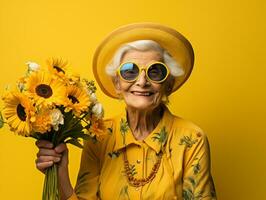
[(97, 128), (46, 90), (18, 111), (78, 99), (57, 67), (42, 123)]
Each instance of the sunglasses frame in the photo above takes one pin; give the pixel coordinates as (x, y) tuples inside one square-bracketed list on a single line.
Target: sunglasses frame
[(146, 71)]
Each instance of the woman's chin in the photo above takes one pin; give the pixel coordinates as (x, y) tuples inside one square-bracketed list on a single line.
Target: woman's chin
[(142, 105)]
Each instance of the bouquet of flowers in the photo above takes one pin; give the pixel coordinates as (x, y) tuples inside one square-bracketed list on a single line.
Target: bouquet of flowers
[(50, 103)]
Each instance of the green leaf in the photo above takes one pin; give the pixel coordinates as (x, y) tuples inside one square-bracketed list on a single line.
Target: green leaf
[(75, 142), (192, 181), (74, 135), (77, 127), (161, 137), (1, 120), (196, 168), (71, 125), (35, 136), (123, 126), (199, 195), (187, 194), (188, 141), (124, 192), (79, 135), (82, 178), (68, 117)]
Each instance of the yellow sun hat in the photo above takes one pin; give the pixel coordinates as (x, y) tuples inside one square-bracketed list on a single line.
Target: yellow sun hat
[(169, 39)]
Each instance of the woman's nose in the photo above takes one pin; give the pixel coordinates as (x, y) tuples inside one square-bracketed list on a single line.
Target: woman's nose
[(142, 79)]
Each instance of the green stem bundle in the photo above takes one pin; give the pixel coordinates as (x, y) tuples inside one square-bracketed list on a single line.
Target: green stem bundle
[(50, 188)]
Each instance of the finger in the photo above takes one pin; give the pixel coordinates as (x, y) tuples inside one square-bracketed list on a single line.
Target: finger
[(43, 159), (44, 165), (61, 148), (44, 144), (48, 152)]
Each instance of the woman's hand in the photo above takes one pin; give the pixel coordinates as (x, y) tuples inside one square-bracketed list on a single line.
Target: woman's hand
[(47, 156)]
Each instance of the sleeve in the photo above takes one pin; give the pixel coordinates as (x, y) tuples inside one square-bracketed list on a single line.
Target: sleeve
[(197, 179), (87, 182)]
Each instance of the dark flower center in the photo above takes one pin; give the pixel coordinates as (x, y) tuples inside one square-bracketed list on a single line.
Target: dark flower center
[(44, 91), (21, 112), (73, 99), (58, 69)]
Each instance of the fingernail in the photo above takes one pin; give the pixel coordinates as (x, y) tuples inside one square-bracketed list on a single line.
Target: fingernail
[(57, 159), (56, 150)]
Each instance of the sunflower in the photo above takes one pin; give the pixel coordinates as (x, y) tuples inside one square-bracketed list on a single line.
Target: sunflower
[(18, 111), (57, 67), (45, 90), (78, 99)]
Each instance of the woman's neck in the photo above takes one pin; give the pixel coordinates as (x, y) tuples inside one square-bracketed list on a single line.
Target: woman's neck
[(143, 122)]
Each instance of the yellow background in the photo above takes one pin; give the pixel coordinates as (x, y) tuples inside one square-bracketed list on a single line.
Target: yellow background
[(225, 94)]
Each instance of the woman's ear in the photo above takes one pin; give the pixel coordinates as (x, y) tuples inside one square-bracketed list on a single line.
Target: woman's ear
[(169, 85), (116, 83)]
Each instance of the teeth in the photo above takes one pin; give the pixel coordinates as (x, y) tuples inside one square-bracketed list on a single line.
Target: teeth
[(142, 93)]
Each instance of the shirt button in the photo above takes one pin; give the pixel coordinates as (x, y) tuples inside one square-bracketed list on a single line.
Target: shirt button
[(137, 188), (138, 161)]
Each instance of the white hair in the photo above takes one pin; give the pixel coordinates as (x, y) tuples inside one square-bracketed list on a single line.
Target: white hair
[(144, 45)]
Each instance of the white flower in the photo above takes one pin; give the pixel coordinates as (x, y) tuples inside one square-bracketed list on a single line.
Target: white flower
[(56, 118), (33, 66), (93, 97), (97, 110)]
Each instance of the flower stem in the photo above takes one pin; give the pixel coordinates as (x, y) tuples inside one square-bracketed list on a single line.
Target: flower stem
[(50, 188)]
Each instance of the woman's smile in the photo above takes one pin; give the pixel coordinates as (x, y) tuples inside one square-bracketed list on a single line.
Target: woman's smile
[(142, 93)]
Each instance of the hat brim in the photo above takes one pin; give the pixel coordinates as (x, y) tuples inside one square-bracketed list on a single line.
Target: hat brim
[(171, 40)]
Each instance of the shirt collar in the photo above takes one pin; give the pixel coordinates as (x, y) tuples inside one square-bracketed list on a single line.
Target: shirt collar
[(156, 139)]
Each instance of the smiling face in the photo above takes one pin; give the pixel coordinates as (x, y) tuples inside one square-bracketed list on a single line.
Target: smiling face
[(141, 94)]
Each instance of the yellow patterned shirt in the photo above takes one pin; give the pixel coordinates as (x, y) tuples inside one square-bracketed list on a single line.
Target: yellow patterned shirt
[(184, 172)]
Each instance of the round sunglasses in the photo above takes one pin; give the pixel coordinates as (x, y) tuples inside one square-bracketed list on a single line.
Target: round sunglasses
[(156, 72)]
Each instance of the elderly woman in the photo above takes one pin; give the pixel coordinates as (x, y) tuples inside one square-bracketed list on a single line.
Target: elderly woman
[(147, 152)]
